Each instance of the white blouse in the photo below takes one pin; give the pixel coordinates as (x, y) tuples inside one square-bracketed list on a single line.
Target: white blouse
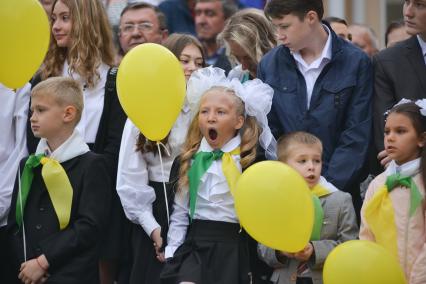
[(135, 170), (214, 199), (13, 123), (93, 103)]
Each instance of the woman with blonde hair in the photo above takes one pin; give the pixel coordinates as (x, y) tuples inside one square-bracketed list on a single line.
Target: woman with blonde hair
[(248, 36), (81, 47)]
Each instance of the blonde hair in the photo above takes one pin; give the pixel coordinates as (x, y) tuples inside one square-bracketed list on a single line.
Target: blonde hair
[(249, 138), (252, 31), (65, 91), (91, 45), (286, 141)]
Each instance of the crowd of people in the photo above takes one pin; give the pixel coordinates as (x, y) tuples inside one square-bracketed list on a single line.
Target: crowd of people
[(85, 197)]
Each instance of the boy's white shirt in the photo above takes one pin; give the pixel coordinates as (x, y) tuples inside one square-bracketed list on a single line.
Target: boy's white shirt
[(214, 199), (13, 141), (72, 147), (135, 170), (93, 99), (327, 185), (410, 168)]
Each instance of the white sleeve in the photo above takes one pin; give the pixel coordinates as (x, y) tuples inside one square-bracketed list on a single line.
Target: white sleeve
[(132, 182), (9, 166), (178, 223)]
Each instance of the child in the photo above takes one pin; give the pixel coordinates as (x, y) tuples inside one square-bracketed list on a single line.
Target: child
[(59, 202), (81, 47), (205, 241), (393, 213), (140, 178), (337, 222)]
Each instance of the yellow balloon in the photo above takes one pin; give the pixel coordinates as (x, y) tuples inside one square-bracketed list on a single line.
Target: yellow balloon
[(151, 89), (362, 262), (25, 32), (274, 205)]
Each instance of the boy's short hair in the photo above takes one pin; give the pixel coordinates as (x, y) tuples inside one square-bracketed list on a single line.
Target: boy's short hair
[(276, 9), (299, 137), (65, 91)]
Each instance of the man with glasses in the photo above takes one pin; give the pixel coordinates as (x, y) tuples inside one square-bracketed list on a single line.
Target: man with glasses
[(141, 23)]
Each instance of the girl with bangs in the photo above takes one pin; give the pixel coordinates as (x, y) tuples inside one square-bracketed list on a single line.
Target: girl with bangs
[(140, 178), (81, 47)]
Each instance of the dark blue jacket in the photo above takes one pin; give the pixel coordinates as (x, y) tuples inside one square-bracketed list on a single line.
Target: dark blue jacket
[(340, 111), (179, 18)]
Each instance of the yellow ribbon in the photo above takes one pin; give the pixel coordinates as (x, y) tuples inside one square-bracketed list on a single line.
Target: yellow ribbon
[(59, 189), (230, 169), (380, 217)]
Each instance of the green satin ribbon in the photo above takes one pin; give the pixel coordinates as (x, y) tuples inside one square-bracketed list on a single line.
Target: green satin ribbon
[(394, 180), (27, 176), (57, 184), (202, 162)]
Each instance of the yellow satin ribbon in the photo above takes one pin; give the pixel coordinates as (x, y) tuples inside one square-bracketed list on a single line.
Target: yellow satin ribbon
[(380, 217), (59, 188), (230, 169)]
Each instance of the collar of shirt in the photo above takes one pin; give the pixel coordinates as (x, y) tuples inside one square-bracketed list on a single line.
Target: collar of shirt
[(228, 147), (410, 168), (72, 147), (422, 46), (325, 54)]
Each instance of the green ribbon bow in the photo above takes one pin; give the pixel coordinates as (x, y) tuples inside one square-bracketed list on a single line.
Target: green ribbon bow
[(394, 180), (202, 162)]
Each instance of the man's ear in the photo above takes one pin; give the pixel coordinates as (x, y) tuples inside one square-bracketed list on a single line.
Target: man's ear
[(70, 113), (164, 34), (311, 16)]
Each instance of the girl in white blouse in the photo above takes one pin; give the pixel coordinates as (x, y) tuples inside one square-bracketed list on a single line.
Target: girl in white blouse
[(205, 241), (140, 178)]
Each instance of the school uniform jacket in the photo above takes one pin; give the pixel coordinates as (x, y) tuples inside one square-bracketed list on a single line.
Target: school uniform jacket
[(339, 225), (72, 253)]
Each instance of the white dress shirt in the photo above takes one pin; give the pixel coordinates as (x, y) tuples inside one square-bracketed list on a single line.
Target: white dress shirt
[(135, 170), (93, 103), (13, 122), (311, 71), (423, 46), (214, 199)]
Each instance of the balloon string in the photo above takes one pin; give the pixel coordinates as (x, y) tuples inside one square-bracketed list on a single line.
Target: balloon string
[(22, 214), (163, 178)]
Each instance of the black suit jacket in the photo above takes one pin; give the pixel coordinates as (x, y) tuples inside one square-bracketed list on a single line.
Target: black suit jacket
[(72, 253), (399, 72)]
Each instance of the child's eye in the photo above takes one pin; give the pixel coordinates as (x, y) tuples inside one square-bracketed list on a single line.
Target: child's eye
[(184, 61), (317, 161), (302, 161), (387, 132)]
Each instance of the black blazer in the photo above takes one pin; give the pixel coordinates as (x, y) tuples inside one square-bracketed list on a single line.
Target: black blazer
[(72, 252), (399, 72)]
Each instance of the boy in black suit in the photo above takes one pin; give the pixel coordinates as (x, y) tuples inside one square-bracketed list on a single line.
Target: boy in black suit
[(60, 199)]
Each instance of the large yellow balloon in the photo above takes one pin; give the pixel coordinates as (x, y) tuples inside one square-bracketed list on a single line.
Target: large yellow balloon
[(275, 206), (25, 32), (151, 89), (362, 262)]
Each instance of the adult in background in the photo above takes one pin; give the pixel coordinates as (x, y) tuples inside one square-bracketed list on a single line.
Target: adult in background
[(400, 71), (396, 32), (365, 38), (140, 23), (81, 47), (249, 35), (340, 27), (210, 17), (322, 85)]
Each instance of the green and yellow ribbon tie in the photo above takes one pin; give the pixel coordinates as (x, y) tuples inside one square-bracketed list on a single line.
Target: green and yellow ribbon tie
[(379, 212), (57, 184), (317, 192), (202, 162)]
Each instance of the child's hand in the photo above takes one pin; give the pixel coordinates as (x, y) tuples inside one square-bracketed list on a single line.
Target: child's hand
[(384, 158), (32, 272), (304, 254), (285, 254), (158, 243)]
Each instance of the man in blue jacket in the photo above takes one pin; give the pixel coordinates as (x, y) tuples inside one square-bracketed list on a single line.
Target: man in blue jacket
[(323, 85)]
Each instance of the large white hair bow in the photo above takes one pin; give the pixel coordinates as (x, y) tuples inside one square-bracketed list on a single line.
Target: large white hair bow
[(256, 95)]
